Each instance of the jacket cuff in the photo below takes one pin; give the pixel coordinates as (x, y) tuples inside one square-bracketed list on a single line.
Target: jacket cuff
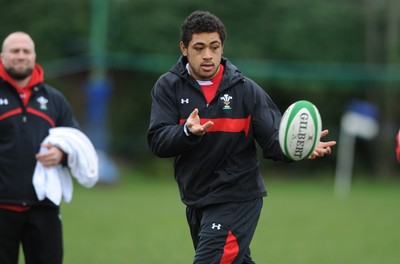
[(64, 160), (187, 131)]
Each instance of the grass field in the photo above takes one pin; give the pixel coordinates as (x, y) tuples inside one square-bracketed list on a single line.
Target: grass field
[(143, 221)]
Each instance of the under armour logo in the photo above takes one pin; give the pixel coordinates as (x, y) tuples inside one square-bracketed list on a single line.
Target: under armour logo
[(185, 101), (218, 227), (3, 101)]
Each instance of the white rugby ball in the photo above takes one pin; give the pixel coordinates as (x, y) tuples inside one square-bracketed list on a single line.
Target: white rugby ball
[(300, 130)]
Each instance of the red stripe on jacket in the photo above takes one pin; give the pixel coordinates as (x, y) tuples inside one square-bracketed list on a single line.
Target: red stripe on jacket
[(232, 125), (44, 116), (29, 110), (10, 113)]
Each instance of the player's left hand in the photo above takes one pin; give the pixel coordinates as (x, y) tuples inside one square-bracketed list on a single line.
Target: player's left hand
[(51, 157), (323, 148)]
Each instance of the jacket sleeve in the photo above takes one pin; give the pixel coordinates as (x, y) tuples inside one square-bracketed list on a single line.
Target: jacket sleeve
[(65, 117), (166, 137), (266, 119)]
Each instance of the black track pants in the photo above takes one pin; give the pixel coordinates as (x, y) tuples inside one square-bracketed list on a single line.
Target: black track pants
[(222, 233), (38, 229)]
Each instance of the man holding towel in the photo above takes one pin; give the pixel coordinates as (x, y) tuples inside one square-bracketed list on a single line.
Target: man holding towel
[(28, 109)]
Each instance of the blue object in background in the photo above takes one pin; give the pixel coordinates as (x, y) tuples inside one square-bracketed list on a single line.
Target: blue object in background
[(363, 108), (360, 120), (98, 90)]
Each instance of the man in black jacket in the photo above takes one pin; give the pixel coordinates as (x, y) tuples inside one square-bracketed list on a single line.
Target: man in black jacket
[(209, 116), (28, 109)]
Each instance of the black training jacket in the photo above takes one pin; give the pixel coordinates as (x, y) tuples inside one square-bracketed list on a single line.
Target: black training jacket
[(221, 166), (22, 130)]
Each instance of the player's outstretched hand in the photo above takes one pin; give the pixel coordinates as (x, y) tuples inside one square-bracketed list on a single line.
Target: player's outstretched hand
[(323, 148), (194, 125)]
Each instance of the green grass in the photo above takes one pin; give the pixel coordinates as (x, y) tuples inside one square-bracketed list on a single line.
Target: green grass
[(303, 222), (143, 221)]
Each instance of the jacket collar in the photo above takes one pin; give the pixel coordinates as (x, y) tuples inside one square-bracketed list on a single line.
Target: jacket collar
[(231, 71), (36, 78)]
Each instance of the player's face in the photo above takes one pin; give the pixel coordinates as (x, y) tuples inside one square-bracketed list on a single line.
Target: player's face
[(18, 56), (204, 54)]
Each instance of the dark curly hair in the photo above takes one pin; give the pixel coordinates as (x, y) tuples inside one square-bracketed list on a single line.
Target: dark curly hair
[(200, 22)]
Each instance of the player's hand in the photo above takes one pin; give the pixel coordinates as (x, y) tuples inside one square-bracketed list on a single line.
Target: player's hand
[(323, 148), (194, 126), (52, 157)]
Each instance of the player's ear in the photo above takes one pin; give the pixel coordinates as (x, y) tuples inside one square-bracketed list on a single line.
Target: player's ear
[(183, 48)]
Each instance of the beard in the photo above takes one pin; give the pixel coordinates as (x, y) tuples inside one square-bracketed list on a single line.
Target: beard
[(19, 75)]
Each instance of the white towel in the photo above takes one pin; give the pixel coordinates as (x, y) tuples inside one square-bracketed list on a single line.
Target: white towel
[(55, 182)]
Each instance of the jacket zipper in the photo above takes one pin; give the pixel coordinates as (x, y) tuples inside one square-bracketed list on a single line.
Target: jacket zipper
[(24, 117)]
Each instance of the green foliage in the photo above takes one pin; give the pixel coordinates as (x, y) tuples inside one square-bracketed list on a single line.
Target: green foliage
[(295, 49), (290, 29), (59, 28)]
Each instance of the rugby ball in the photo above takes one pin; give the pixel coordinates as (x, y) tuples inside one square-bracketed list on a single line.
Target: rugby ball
[(300, 130)]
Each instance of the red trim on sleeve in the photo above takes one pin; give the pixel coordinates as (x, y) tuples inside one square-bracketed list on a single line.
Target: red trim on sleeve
[(231, 249)]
